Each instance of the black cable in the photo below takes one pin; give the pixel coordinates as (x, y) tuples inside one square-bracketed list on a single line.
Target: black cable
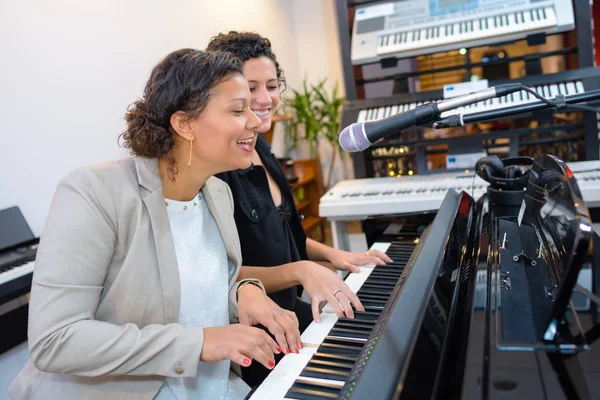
[(563, 106), (559, 103)]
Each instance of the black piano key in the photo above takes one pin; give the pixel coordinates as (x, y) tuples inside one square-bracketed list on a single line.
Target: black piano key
[(373, 287), (401, 251), (387, 270), (340, 347), (380, 281), (334, 357), (354, 322), (351, 333), (305, 390), (372, 307), (373, 291), (373, 297), (391, 272), (356, 327), (397, 255), (328, 360), (366, 315), (376, 291), (367, 301), (316, 370)]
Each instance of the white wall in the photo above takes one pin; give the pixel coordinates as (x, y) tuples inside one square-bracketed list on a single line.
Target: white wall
[(319, 57), (70, 68)]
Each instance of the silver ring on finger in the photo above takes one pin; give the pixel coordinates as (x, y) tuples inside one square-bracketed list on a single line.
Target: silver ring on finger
[(367, 253), (336, 291), (342, 307)]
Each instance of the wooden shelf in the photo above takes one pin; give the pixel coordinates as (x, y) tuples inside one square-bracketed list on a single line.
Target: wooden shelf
[(307, 193), (302, 181), (310, 222), (300, 205)]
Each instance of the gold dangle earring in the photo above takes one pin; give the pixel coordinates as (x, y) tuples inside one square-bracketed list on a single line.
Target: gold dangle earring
[(190, 159)]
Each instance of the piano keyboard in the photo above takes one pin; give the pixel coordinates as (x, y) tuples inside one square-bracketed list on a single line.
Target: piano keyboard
[(9, 274), (472, 29), (16, 270), (548, 91), (358, 198), (332, 346), (409, 28)]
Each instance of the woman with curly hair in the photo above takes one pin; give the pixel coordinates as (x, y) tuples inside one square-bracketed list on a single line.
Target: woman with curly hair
[(270, 229), (136, 287)]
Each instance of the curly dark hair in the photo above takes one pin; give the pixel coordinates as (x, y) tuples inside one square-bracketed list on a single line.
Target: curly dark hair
[(245, 46), (182, 81)]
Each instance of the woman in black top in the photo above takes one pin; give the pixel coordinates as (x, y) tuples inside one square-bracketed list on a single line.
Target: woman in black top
[(269, 226)]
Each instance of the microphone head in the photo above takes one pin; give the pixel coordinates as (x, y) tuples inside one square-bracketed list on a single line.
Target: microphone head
[(353, 138)]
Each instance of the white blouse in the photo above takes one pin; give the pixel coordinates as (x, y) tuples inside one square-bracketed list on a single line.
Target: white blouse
[(204, 277)]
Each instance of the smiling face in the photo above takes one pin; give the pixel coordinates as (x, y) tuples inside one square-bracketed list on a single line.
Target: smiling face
[(264, 87), (225, 132)]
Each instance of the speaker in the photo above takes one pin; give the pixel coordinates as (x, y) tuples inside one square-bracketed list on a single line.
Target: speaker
[(504, 174)]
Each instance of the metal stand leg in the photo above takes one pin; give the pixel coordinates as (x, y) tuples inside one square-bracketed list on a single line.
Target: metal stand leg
[(339, 233)]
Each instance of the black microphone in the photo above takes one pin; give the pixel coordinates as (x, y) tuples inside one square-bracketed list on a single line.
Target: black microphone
[(359, 136)]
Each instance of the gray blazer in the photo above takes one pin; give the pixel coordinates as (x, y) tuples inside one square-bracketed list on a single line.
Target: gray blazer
[(105, 295)]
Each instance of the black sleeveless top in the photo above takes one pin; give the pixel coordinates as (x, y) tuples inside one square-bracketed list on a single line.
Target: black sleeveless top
[(269, 235)]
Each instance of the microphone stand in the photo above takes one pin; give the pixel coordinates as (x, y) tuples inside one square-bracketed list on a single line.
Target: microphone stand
[(460, 119)]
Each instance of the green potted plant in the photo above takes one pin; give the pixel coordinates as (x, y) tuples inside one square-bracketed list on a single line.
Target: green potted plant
[(318, 113)]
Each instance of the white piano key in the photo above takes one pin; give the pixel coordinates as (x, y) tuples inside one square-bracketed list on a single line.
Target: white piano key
[(16, 272), (386, 114), (283, 375), (579, 87), (315, 333), (563, 88), (281, 379), (504, 24), (362, 116), (356, 280)]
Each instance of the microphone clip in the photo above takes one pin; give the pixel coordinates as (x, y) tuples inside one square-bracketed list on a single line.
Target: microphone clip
[(449, 122)]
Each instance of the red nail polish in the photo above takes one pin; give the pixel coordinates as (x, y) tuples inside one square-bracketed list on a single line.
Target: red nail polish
[(287, 350), (301, 345), (271, 363), (297, 352), (278, 350), (246, 361)]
